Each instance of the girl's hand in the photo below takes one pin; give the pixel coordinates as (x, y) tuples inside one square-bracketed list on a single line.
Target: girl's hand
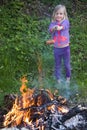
[(57, 27), (51, 41)]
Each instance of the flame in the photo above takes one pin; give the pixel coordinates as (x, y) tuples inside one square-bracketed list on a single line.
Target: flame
[(23, 87), (50, 94), (63, 109), (16, 116), (28, 108)]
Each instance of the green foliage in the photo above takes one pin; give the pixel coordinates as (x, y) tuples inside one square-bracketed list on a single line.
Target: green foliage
[(20, 43), (78, 46)]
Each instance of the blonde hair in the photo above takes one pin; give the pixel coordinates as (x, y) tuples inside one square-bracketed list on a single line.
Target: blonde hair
[(58, 7)]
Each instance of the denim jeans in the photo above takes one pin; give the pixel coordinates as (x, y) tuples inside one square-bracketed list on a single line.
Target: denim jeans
[(59, 55)]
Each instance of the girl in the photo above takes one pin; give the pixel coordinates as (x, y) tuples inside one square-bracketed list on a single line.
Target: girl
[(59, 29)]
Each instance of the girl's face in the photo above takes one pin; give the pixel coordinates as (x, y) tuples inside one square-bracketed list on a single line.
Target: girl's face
[(59, 15)]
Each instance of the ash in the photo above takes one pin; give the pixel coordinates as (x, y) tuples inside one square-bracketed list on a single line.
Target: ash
[(75, 123)]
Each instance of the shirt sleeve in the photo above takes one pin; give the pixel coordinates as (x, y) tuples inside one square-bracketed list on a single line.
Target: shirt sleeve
[(52, 24), (66, 24)]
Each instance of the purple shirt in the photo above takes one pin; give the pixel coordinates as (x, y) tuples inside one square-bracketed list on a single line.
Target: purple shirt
[(60, 37)]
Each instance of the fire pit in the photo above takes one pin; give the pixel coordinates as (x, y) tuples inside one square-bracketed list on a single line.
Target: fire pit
[(39, 109)]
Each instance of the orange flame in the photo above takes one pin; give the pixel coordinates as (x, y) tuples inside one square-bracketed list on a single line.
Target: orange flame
[(63, 109), (23, 109)]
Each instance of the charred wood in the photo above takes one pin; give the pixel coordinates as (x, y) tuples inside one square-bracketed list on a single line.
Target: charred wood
[(73, 112)]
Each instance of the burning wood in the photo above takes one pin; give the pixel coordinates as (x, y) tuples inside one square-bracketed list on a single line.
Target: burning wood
[(39, 109)]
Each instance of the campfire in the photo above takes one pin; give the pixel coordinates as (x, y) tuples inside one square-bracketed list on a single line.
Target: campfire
[(39, 109)]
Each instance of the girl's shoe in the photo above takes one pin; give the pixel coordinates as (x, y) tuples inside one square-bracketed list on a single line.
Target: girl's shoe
[(68, 80), (59, 81)]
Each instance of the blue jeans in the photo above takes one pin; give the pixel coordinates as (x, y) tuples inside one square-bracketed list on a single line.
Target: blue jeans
[(59, 55)]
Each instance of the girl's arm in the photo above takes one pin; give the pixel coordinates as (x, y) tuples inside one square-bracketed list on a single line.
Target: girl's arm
[(66, 24), (52, 27), (55, 28)]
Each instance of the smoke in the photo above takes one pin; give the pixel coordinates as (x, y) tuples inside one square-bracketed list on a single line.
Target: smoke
[(67, 90)]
